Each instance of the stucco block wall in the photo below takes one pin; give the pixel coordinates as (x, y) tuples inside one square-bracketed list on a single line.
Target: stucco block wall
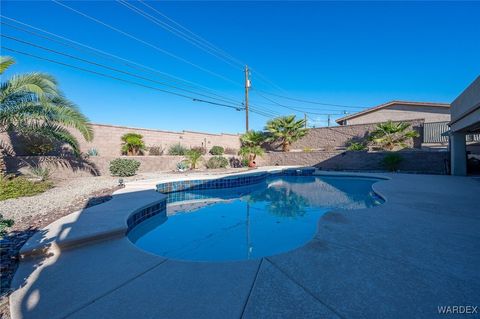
[(413, 161), (107, 139), (400, 112), (108, 142), (329, 138)]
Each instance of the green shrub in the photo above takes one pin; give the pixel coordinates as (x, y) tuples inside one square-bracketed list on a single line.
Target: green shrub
[(4, 224), (124, 167), (132, 144), (21, 186), (392, 161), (177, 149), (200, 149), (155, 150), (217, 150), (217, 162), (356, 146)]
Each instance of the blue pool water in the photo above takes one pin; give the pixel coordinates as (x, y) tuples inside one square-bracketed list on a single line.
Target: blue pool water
[(270, 217)]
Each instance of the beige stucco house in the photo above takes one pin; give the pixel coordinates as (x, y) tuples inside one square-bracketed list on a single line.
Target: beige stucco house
[(399, 111)]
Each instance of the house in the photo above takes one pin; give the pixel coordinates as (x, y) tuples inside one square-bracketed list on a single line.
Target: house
[(465, 121), (399, 111)]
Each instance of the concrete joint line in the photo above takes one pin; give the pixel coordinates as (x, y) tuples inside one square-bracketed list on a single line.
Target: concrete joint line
[(251, 288), (305, 289), (112, 290)]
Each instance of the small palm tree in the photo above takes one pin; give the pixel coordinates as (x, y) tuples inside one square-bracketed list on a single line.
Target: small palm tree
[(392, 135), (132, 144), (193, 157), (253, 138), (286, 130), (33, 104), (251, 146), (250, 153)]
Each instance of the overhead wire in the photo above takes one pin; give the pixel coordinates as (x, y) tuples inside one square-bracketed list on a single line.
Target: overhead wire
[(92, 50), (106, 67), (117, 78), (155, 47)]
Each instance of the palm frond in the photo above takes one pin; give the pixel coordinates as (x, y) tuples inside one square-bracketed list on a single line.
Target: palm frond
[(5, 63)]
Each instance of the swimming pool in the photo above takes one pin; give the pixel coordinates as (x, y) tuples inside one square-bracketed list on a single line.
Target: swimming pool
[(274, 215)]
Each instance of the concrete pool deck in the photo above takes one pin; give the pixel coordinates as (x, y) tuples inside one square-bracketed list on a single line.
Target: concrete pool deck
[(418, 251)]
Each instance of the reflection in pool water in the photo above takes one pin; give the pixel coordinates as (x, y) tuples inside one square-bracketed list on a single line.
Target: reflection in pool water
[(274, 216)]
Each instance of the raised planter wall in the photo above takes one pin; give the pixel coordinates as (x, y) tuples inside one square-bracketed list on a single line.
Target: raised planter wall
[(67, 167), (413, 161)]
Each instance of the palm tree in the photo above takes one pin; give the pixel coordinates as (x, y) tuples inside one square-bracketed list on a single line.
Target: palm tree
[(389, 135), (250, 153), (193, 157), (286, 130), (253, 138), (132, 144), (33, 104)]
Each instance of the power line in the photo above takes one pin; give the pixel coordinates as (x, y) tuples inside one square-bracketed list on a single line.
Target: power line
[(132, 64), (312, 102), (146, 43), (195, 36), (175, 31), (292, 108), (202, 41), (118, 79), (107, 67)]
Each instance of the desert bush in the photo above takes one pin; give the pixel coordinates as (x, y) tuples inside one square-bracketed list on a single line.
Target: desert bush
[(357, 146), (4, 224), (235, 162), (155, 150), (21, 186), (217, 150), (177, 149), (132, 144), (124, 167), (202, 150), (230, 151), (41, 172), (392, 161), (217, 162)]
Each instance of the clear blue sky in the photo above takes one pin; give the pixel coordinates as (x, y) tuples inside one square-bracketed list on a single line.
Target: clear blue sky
[(348, 53)]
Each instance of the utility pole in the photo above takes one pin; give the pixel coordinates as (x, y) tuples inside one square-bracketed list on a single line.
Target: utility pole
[(328, 120), (305, 118), (247, 86)]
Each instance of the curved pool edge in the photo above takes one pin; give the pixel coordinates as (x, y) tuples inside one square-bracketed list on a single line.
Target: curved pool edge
[(130, 206)]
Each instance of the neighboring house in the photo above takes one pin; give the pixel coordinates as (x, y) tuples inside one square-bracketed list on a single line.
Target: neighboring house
[(465, 121), (399, 111)]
